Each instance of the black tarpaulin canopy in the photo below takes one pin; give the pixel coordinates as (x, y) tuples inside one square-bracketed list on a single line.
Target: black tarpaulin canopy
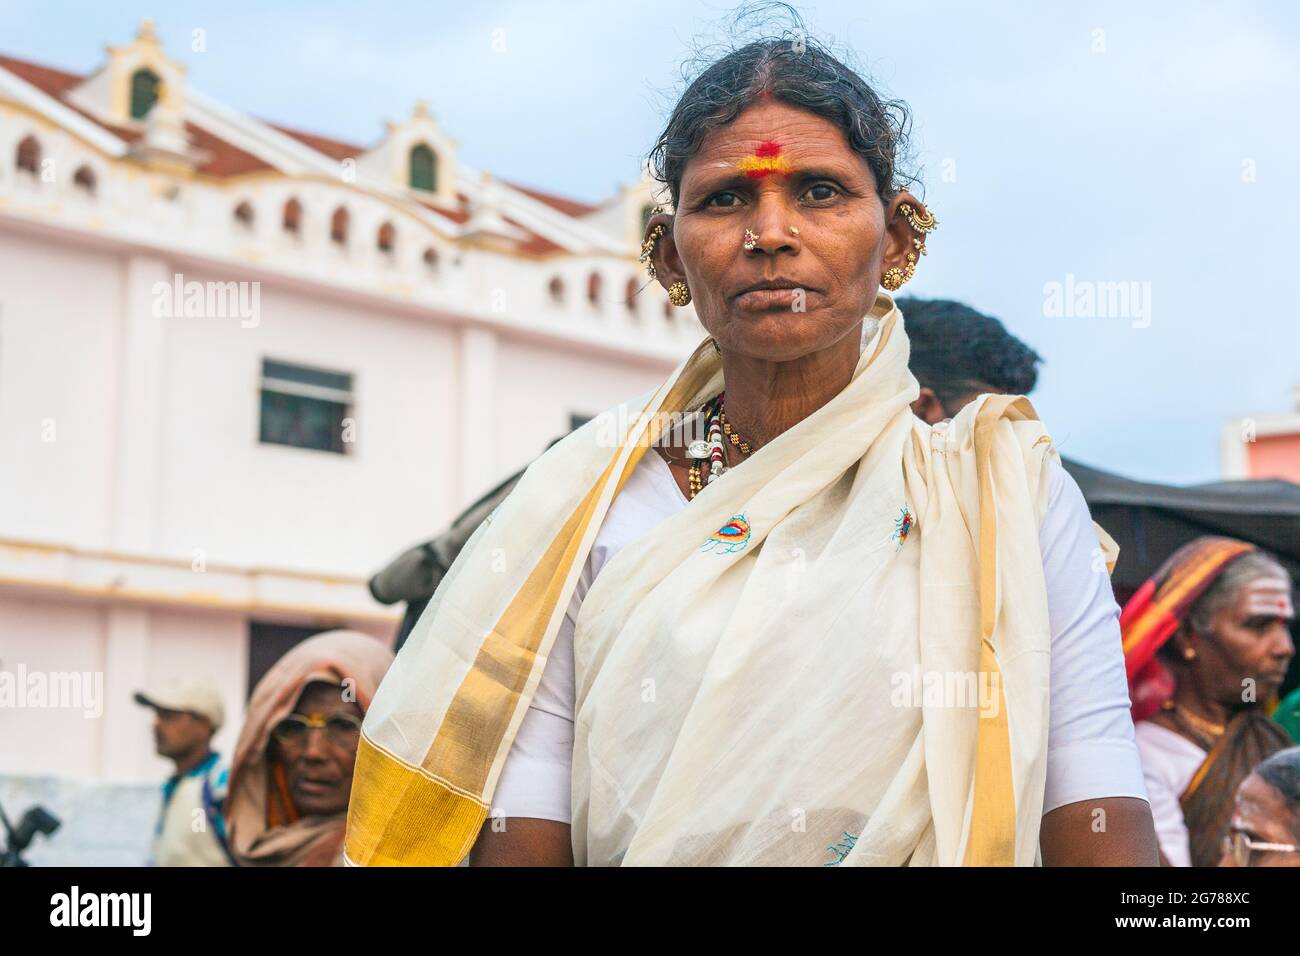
[(1150, 521)]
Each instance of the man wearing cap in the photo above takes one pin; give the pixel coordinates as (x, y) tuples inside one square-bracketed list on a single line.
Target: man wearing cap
[(191, 831)]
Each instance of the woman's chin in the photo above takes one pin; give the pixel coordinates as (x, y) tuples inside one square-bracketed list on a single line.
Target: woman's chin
[(781, 336), (320, 804)]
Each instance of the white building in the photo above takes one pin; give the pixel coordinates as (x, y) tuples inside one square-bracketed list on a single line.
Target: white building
[(242, 366)]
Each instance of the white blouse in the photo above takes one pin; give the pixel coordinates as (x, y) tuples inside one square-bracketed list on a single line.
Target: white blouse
[(1091, 749), (1169, 761)]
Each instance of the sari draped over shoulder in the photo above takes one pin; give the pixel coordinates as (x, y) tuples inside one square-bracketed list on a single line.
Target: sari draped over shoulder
[(1149, 620), (754, 675), (1207, 803)]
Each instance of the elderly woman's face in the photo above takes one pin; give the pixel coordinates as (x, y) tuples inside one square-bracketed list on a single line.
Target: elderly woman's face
[(773, 168), (1249, 647), (317, 745)]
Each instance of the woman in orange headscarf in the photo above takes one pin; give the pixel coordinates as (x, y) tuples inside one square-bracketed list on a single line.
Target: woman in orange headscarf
[(292, 772), (1206, 645)]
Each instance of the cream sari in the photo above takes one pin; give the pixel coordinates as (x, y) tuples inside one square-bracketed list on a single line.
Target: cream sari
[(754, 676)]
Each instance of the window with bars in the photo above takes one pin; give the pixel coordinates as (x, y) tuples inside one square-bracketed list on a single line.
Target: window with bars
[(305, 407)]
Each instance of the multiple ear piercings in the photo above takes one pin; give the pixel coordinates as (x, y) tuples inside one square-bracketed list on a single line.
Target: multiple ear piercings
[(646, 256), (922, 223), (678, 293)]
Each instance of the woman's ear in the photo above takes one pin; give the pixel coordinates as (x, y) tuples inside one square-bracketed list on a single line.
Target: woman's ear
[(1186, 640), (901, 239), (664, 257)]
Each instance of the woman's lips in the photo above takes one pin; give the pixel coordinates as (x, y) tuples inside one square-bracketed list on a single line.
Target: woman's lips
[(764, 300), (316, 787)]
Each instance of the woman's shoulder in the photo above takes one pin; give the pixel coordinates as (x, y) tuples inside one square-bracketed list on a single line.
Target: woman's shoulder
[(1161, 746)]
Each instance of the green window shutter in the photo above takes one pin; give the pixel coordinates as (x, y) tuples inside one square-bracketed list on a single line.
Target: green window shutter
[(424, 168), (144, 93)]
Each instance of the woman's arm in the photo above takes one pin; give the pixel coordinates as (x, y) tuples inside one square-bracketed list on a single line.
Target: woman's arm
[(1096, 814), (1115, 831), (522, 841)]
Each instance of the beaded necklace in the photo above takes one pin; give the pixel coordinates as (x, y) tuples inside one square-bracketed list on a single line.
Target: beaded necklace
[(711, 449)]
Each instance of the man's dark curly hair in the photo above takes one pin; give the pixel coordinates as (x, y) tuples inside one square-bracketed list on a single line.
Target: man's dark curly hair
[(956, 351), (794, 68)]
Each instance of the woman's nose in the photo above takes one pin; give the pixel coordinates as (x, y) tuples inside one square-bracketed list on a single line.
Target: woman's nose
[(316, 747), (771, 225), (1283, 646)]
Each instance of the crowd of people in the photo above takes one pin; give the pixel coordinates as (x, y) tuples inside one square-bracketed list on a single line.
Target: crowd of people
[(827, 596), (1206, 648)]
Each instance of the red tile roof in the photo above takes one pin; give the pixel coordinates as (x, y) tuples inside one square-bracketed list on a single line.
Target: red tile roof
[(47, 78), (570, 207), (221, 158), (338, 149), (224, 159), (333, 148)]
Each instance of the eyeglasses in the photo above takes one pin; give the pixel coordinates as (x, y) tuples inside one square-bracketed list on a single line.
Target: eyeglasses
[(1239, 846), (340, 729)]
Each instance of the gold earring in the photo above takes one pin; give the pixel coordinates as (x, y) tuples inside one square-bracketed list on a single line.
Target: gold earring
[(920, 222), (893, 278), (751, 240), (1189, 653), (648, 249), (679, 294)]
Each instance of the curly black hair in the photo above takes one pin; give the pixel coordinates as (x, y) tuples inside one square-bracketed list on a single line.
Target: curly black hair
[(796, 69), (956, 351)]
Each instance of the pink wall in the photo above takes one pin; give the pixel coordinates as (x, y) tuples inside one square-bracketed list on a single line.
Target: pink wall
[(1274, 456)]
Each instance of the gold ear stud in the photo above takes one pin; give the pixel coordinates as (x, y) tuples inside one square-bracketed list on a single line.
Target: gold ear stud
[(679, 294)]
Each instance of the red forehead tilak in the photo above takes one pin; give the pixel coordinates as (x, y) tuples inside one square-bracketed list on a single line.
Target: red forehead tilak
[(765, 161)]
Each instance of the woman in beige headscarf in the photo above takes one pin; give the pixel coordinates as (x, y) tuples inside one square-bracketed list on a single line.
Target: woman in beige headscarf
[(289, 783)]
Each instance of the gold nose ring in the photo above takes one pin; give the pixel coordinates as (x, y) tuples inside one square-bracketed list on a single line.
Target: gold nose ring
[(751, 240), (794, 230)]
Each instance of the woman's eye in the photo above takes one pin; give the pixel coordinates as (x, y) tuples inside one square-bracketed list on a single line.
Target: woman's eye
[(821, 192), (717, 200)]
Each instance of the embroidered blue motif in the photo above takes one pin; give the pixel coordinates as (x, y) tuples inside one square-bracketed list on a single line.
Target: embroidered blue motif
[(841, 849), (732, 536)]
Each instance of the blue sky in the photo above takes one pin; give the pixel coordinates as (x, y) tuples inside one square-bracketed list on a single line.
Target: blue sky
[(1156, 145)]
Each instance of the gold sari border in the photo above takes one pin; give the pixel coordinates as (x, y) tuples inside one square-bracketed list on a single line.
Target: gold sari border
[(403, 816)]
